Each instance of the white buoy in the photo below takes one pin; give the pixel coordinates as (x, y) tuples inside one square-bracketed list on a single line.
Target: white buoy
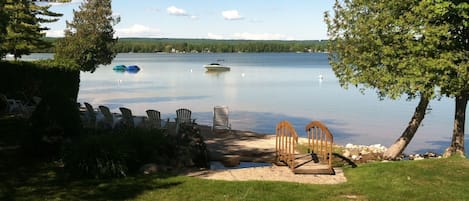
[(321, 77), (242, 74)]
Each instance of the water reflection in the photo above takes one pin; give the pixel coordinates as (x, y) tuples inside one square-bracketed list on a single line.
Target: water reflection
[(152, 99), (272, 87), (119, 70), (216, 73)]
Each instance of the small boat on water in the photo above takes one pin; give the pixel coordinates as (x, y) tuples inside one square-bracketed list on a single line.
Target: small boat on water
[(119, 68), (133, 68), (216, 67)]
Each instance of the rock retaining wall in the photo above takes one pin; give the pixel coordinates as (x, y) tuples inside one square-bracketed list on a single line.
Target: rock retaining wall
[(367, 153)]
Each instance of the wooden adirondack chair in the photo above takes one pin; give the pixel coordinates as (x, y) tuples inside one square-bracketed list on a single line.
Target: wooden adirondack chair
[(183, 115), (154, 119)]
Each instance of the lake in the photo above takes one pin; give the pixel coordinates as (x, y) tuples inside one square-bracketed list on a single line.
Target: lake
[(261, 90)]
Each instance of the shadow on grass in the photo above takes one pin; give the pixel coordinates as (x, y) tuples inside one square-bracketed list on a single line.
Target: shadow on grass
[(23, 180), (27, 177), (115, 189), (344, 159)]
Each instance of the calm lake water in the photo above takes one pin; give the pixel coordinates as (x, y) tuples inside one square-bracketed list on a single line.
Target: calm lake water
[(261, 90)]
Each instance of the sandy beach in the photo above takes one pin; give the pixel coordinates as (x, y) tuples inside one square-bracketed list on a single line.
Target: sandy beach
[(253, 147)]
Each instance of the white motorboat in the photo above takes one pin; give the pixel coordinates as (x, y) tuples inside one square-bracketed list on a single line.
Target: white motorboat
[(216, 67)]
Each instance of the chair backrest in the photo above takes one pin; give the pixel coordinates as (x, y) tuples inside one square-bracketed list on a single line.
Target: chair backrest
[(108, 118), (183, 115), (286, 141), (127, 117), (154, 118), (220, 117), (4, 105), (91, 114), (320, 142), (90, 109)]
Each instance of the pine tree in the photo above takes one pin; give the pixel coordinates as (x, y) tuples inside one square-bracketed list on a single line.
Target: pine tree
[(89, 38), (24, 32), (4, 18)]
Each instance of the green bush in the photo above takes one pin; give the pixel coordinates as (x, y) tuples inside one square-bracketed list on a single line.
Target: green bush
[(192, 150), (56, 118), (39, 78), (95, 156), (110, 154)]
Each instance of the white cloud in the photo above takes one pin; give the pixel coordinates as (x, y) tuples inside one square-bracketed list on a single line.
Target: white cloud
[(231, 15), (58, 4), (54, 33), (250, 36), (215, 36), (173, 10), (138, 30)]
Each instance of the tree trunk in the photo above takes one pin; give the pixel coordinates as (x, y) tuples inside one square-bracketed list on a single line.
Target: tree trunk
[(457, 142), (398, 147)]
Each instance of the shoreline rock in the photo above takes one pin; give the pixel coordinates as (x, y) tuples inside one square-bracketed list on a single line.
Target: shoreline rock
[(374, 152)]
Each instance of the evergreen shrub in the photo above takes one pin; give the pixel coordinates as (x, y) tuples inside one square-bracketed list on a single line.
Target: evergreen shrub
[(111, 154)]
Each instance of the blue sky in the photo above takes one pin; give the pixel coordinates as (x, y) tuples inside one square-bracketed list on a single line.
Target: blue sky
[(212, 19)]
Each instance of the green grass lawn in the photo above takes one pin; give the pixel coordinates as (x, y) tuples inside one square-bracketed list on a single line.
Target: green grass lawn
[(28, 178), (435, 179)]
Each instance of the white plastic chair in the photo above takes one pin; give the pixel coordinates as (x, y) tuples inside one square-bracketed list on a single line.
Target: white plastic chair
[(221, 118)]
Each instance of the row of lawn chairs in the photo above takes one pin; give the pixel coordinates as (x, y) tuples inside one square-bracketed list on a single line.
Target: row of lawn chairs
[(220, 118), (17, 107), (103, 118)]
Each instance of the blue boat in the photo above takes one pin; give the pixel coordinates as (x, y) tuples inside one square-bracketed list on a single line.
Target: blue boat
[(119, 68), (133, 68)]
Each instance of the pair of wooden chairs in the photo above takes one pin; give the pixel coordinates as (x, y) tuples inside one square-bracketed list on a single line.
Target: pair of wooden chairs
[(128, 120), (317, 160), (94, 119), (220, 118)]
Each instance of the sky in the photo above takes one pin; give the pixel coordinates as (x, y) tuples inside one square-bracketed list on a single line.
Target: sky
[(212, 19)]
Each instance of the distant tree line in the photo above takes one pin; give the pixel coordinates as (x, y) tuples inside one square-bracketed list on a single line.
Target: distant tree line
[(147, 45)]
